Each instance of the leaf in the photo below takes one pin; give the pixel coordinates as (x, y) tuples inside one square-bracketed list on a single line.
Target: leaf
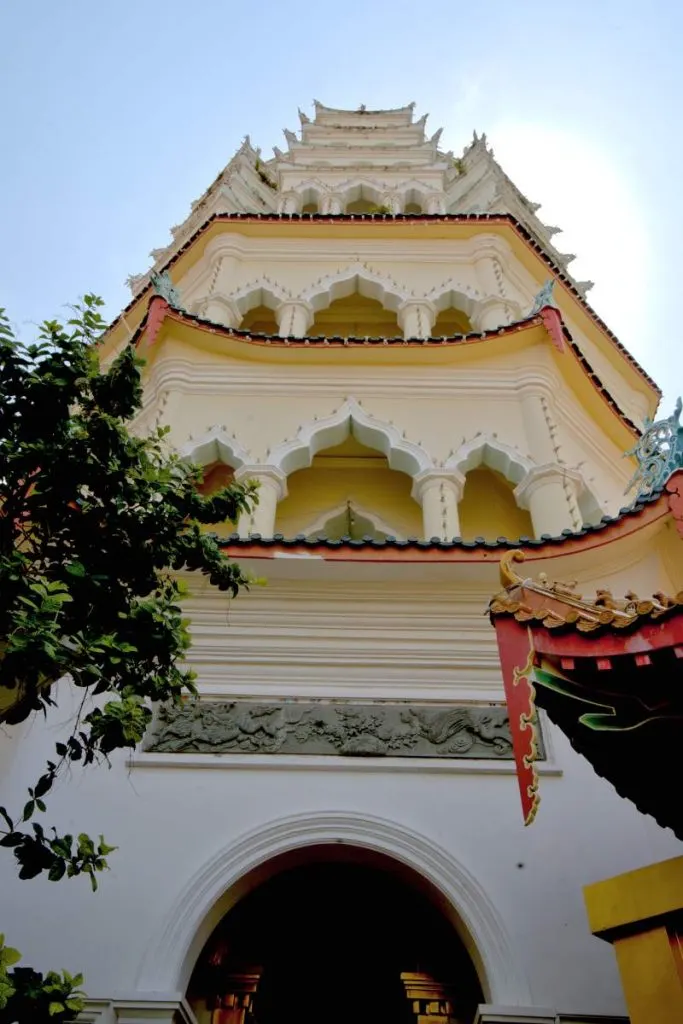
[(12, 839), (54, 1008), (9, 956), (5, 815)]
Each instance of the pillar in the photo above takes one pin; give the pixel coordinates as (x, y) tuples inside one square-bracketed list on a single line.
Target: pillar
[(494, 310), (549, 493), (416, 318), (393, 201), (435, 203), (294, 318), (492, 313), (438, 492), (237, 1002), (431, 1001), (332, 203), (289, 202), (639, 913), (272, 489)]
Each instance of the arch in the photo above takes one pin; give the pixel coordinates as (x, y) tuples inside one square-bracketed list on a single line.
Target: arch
[(173, 951), (357, 277), (216, 445), (455, 294), (262, 292), (317, 435), (376, 522), (486, 450)]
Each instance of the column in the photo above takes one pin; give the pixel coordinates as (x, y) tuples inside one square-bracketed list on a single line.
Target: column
[(640, 913), (393, 201), (549, 493), (237, 1002), (431, 1001), (289, 202), (494, 310), (416, 318), (492, 313), (332, 202), (221, 311), (272, 489), (294, 318), (438, 492), (435, 203)]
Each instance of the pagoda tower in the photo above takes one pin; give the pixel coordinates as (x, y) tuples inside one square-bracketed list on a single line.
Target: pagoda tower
[(384, 336)]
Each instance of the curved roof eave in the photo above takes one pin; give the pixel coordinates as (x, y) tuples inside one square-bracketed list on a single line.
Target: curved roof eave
[(487, 218)]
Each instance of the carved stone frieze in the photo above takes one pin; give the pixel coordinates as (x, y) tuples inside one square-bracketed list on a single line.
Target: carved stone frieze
[(328, 727)]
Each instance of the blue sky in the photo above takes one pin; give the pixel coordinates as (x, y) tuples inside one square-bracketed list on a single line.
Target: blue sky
[(115, 116)]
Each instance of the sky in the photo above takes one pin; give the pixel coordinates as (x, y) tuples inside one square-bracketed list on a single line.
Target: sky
[(115, 116)]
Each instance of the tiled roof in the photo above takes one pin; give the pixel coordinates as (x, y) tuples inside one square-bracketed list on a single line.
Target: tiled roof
[(557, 606), (422, 217), (414, 543)]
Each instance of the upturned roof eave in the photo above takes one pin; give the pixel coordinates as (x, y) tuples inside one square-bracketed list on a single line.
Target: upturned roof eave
[(487, 218)]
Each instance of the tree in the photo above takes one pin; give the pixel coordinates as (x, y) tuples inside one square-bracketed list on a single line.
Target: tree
[(95, 524)]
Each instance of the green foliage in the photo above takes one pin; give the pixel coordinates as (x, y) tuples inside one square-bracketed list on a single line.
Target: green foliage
[(95, 523), (28, 996)]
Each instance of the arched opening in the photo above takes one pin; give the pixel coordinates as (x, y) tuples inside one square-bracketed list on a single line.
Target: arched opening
[(337, 934), (259, 320), (343, 482), (451, 321), (355, 316), (488, 508), (412, 208), (216, 476)]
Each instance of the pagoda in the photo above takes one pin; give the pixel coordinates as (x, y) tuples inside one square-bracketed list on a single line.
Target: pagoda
[(384, 336)]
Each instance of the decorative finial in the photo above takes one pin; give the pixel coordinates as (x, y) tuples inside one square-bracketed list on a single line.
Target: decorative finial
[(290, 136), (659, 452), (544, 297), (163, 286), (508, 577), (303, 117), (436, 136)]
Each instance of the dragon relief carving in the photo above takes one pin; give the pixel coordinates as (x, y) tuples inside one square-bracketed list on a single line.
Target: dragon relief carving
[(355, 730)]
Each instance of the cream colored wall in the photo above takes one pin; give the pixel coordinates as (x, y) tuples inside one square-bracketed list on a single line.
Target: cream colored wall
[(378, 489), (482, 267), (443, 408)]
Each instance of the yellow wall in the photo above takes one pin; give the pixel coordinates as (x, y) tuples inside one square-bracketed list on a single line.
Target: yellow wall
[(261, 320), (356, 317), (451, 321), (376, 489), (488, 508)]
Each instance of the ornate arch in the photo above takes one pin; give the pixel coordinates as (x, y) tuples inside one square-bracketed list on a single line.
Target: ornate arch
[(216, 445), (356, 277), (456, 294), (261, 292), (316, 435), (486, 450), (214, 889)]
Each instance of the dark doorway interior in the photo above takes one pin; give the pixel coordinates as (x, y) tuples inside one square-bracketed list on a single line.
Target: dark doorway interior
[(330, 940)]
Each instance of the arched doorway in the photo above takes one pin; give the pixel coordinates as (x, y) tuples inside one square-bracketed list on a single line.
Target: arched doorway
[(339, 935)]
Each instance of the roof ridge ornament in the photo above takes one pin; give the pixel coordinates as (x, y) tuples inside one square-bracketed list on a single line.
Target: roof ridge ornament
[(544, 297), (163, 286), (658, 451)]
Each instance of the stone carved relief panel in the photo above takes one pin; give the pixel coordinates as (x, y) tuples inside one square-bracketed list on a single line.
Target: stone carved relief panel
[(340, 728)]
